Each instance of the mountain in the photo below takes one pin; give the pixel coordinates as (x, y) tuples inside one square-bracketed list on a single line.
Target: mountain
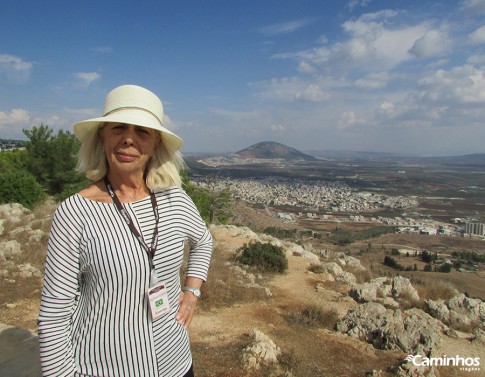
[(270, 150)]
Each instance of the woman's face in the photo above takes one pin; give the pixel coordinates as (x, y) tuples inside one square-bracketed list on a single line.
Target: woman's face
[(128, 148)]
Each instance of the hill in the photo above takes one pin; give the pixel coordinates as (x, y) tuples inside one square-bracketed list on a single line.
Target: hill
[(306, 318), (270, 150)]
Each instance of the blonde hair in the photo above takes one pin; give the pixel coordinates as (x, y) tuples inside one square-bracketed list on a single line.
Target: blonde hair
[(162, 170)]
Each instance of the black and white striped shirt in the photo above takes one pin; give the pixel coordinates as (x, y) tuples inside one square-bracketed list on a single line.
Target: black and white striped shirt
[(94, 318)]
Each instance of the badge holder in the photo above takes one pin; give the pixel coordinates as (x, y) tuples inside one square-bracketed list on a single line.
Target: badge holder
[(157, 296)]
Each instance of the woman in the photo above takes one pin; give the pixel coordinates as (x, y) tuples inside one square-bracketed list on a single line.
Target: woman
[(112, 301)]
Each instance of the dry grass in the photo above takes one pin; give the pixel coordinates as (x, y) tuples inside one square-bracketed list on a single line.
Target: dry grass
[(361, 276), (9, 225), (33, 253), (316, 268), (407, 301), (46, 210), (313, 316), (222, 287), (434, 290), (288, 360), (473, 327)]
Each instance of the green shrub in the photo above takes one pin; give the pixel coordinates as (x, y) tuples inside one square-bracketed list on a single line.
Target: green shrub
[(391, 262), (469, 256), (264, 256), (17, 186)]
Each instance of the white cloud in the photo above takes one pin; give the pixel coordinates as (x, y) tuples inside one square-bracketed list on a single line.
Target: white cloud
[(53, 121), (373, 81), (476, 59), (277, 128), (349, 120), (478, 36), (168, 123), (304, 67), (285, 27), (14, 68), (388, 108), (87, 78), (290, 89), (432, 43), (474, 6), (438, 63), (370, 45), (352, 4), (460, 85), (15, 117), (366, 18)]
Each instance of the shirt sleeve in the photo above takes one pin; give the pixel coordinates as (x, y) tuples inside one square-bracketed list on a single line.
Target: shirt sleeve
[(200, 241), (59, 294)]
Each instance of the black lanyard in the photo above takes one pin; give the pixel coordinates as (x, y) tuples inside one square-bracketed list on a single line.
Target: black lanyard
[(150, 250)]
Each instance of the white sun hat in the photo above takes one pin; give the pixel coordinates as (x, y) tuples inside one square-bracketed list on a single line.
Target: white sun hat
[(131, 104)]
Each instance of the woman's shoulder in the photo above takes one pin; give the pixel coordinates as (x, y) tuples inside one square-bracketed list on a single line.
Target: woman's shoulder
[(173, 193), (170, 190), (83, 199), (96, 192)]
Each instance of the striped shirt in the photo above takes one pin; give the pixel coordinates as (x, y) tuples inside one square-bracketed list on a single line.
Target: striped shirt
[(94, 318)]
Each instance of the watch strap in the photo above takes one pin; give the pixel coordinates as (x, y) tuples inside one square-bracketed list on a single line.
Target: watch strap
[(195, 291)]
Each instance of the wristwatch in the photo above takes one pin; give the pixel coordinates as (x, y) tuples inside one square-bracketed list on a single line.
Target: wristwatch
[(195, 291)]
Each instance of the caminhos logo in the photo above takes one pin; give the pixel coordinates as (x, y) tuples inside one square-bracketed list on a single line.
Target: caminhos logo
[(464, 363)]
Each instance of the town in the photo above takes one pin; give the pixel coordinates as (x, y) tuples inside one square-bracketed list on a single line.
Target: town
[(335, 202)]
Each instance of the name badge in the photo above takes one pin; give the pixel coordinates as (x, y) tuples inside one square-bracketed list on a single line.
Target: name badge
[(158, 300)]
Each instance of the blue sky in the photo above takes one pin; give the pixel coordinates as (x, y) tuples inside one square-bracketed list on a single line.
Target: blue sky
[(364, 75)]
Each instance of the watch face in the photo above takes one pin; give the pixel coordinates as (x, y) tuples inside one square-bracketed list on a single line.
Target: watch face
[(195, 291)]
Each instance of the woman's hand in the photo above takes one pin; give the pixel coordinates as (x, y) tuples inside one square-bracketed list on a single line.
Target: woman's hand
[(187, 303)]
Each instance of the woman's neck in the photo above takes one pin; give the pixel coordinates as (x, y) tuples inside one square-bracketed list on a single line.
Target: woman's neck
[(128, 188)]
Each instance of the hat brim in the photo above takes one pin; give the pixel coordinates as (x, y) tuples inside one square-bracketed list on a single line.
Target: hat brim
[(128, 116)]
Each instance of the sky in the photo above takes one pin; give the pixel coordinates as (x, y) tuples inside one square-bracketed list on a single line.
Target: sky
[(394, 76)]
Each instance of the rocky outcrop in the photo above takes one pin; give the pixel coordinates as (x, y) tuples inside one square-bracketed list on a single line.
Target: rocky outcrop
[(386, 291), (459, 312), (248, 280), (16, 223), (338, 273), (349, 261), (412, 331), (261, 351), (14, 213)]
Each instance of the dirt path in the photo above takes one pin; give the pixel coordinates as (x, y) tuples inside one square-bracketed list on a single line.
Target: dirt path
[(314, 351), (228, 328)]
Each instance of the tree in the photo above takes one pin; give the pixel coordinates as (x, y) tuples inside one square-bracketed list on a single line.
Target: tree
[(219, 200), (213, 204), (17, 186), (12, 160), (38, 153), (51, 159), (427, 257)]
